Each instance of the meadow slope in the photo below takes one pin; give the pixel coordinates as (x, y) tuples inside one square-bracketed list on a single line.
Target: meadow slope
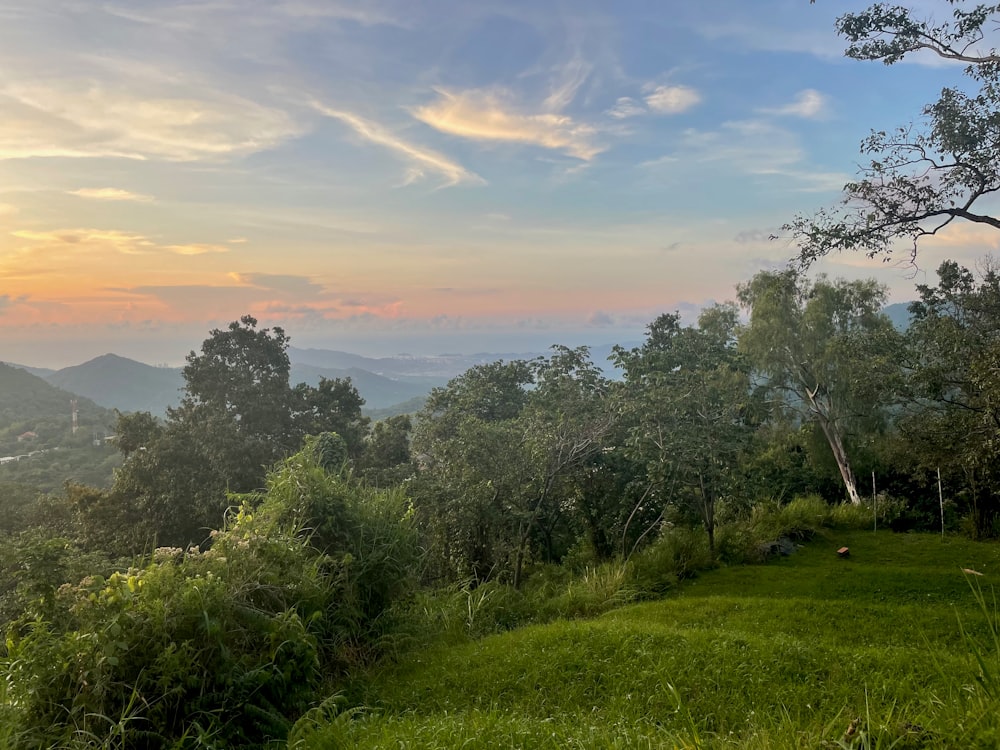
[(877, 650)]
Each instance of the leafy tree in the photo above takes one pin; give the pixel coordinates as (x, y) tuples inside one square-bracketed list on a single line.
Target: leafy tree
[(828, 352), (954, 423), (239, 415), (386, 457), (687, 399), (502, 451), (920, 178)]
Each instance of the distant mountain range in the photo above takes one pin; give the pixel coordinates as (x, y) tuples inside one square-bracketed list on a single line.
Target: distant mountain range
[(388, 384)]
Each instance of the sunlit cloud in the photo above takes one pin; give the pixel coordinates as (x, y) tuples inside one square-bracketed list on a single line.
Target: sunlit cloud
[(626, 107), (421, 159), (196, 249), (111, 194), (122, 242), (672, 100), (7, 210), (808, 104), (300, 287), (81, 118), (126, 243), (489, 116)]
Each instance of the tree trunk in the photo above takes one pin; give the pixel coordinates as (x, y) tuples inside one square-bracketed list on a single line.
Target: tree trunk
[(840, 456)]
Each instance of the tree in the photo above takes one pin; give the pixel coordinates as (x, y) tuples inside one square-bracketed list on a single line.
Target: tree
[(954, 421), (920, 178), (239, 416), (502, 452), (827, 351), (687, 400)]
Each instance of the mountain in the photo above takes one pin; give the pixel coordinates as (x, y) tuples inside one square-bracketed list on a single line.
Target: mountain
[(378, 391), (122, 384), (899, 314)]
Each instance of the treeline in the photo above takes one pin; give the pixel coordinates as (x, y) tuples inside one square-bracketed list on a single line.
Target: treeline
[(263, 539)]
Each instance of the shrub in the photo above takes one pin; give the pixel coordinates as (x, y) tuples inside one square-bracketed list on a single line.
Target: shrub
[(679, 552), (228, 644)]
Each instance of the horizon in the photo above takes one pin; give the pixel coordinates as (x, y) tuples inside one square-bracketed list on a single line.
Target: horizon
[(384, 177)]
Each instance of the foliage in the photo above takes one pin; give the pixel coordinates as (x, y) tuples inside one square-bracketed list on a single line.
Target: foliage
[(687, 402), (238, 416), (502, 454), (230, 643), (828, 353), (788, 655), (952, 423), (920, 178)]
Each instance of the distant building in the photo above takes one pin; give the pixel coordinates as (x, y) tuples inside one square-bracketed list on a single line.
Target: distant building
[(29, 435)]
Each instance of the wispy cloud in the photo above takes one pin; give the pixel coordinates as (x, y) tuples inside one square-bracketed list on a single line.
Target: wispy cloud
[(421, 160), (626, 107), (808, 104), (483, 115), (126, 243), (111, 194), (672, 100), (81, 118), (122, 242), (299, 287), (7, 210)]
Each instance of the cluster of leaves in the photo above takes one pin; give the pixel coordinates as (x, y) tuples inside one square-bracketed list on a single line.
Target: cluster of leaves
[(227, 645)]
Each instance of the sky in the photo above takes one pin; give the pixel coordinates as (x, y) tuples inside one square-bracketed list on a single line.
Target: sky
[(420, 176)]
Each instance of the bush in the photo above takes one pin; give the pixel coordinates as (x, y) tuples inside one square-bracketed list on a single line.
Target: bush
[(800, 519), (229, 644), (679, 552)]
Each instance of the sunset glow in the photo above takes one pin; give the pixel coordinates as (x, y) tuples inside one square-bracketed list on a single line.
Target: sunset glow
[(432, 176)]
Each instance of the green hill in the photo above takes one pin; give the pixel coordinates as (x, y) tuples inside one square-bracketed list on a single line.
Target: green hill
[(809, 651), (48, 452), (123, 383)]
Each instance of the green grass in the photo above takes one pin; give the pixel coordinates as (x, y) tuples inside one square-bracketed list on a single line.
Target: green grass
[(791, 654)]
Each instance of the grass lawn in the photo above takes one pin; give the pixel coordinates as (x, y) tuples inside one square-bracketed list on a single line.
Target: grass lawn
[(807, 651)]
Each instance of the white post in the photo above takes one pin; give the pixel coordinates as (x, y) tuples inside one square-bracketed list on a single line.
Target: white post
[(941, 501), (874, 502)]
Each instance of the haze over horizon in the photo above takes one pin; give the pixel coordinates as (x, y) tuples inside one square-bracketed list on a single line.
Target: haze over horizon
[(424, 177)]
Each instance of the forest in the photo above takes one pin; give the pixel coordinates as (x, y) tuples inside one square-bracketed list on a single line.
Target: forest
[(265, 544)]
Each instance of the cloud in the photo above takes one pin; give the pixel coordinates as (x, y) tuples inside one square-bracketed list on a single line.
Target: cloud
[(421, 159), (301, 287), (600, 319), (808, 104), (111, 194), (122, 242), (196, 249), (488, 116), (81, 118), (126, 243), (625, 107), (672, 100), (7, 210)]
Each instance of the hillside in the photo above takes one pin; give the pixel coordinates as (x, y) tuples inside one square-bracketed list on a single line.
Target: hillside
[(123, 384), (49, 453), (792, 654), (30, 404)]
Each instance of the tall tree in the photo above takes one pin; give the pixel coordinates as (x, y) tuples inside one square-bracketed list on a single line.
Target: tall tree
[(828, 352), (502, 451), (239, 415), (954, 422), (922, 177), (687, 400)]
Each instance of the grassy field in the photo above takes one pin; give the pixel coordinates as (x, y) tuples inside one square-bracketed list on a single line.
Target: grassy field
[(889, 648)]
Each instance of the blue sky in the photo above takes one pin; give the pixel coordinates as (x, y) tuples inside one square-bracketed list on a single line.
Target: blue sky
[(416, 175)]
